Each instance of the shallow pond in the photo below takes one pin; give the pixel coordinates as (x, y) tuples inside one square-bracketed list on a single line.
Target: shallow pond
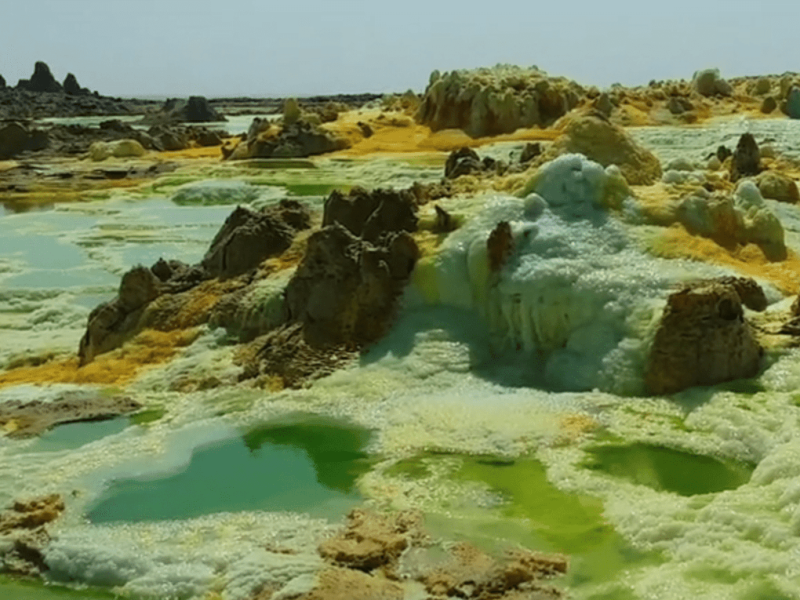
[(305, 465)]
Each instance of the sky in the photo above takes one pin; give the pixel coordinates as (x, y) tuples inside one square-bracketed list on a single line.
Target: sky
[(217, 48)]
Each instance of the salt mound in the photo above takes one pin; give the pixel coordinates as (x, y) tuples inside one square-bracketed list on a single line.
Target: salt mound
[(603, 142), (730, 220), (100, 151), (212, 192), (490, 101), (574, 294)]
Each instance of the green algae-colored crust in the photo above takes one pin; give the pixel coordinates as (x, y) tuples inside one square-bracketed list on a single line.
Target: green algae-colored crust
[(23, 589), (539, 516), (148, 415), (666, 469)]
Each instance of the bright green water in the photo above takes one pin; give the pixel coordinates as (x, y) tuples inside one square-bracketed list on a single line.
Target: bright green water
[(547, 519), (11, 589), (670, 470), (303, 465), (75, 435)]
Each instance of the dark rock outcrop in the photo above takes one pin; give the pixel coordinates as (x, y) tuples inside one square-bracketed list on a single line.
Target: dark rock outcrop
[(42, 80), (371, 214), (703, 337), (169, 138), (72, 87), (17, 137), (112, 323), (530, 151), (342, 297), (150, 297), (2, 82), (248, 238), (746, 158), (345, 289), (198, 110), (679, 105), (296, 140), (462, 162), (768, 105), (500, 245), (792, 105)]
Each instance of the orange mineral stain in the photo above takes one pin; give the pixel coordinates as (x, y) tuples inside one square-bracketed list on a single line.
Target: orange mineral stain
[(119, 366), (676, 242)]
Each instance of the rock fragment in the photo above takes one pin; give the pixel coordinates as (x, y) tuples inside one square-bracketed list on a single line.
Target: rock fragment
[(703, 337)]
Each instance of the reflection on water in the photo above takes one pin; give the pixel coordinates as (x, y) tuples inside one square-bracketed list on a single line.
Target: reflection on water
[(665, 469), (302, 465)]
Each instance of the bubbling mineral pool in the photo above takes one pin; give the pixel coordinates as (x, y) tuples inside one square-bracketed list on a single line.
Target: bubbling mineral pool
[(305, 464), (666, 469)]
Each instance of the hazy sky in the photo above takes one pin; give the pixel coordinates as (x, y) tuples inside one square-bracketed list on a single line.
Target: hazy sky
[(301, 47)]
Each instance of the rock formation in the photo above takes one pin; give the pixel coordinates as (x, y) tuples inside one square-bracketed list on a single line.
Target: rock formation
[(462, 162), (342, 297), (369, 560), (248, 237), (768, 105), (23, 535), (603, 142), (72, 87), (778, 187), (293, 140), (502, 99), (703, 337), (709, 83), (500, 245), (742, 218), (244, 241), (345, 289), (370, 215), (17, 137), (2, 82), (198, 110), (42, 80), (793, 103), (746, 158)]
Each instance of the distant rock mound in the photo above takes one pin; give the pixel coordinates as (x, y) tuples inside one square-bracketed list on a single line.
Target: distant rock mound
[(703, 337), (484, 102), (599, 140), (72, 87), (295, 139), (18, 137), (42, 80), (2, 82), (793, 103), (708, 82), (746, 158)]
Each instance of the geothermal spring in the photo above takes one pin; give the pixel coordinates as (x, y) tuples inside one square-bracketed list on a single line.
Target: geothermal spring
[(507, 407)]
